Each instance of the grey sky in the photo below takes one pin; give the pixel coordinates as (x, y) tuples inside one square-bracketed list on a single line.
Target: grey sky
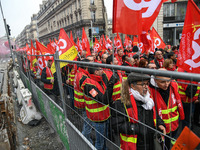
[(18, 14)]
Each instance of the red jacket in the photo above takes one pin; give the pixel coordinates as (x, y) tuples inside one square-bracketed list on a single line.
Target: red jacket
[(79, 101), (169, 113)]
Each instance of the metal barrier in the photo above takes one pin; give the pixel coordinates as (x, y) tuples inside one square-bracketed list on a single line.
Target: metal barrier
[(68, 122)]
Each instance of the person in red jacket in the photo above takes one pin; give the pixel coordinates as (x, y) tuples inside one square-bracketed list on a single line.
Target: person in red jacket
[(47, 77), (135, 104), (97, 98), (168, 103)]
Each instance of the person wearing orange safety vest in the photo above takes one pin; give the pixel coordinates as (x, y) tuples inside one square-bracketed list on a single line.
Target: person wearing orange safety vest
[(97, 97), (189, 94), (47, 77), (136, 104), (108, 74), (168, 103)]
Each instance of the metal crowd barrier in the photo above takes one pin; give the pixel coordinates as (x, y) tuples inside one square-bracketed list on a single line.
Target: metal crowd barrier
[(67, 121)]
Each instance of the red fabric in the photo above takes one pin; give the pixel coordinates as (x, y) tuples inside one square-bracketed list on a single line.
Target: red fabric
[(161, 62), (135, 41), (118, 42), (189, 51), (85, 43), (79, 45), (122, 21), (48, 74), (145, 42), (97, 46), (174, 100), (157, 41), (72, 40), (143, 12)]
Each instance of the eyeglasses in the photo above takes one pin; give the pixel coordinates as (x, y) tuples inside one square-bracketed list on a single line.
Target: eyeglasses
[(144, 84)]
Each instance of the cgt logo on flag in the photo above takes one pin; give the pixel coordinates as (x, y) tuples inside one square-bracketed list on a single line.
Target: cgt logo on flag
[(149, 6), (195, 61)]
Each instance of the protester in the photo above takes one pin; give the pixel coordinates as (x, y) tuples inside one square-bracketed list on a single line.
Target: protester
[(136, 104), (159, 60), (97, 99), (169, 65), (168, 103), (47, 77)]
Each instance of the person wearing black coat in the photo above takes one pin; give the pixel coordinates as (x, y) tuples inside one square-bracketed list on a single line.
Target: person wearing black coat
[(136, 98)]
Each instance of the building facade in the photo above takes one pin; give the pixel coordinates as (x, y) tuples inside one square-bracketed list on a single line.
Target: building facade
[(72, 15), (173, 20), (29, 33)]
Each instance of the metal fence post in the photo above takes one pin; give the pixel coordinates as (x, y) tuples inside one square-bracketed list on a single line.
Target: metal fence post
[(59, 78)]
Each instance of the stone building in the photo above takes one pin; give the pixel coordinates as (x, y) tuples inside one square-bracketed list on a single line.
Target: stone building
[(173, 20), (72, 15), (29, 33)]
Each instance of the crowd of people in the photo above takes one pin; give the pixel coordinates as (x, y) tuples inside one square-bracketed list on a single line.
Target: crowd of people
[(117, 104)]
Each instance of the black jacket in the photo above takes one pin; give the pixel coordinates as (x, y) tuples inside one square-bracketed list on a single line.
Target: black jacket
[(121, 124)]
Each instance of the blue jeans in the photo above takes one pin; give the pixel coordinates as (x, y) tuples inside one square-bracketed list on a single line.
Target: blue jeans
[(87, 127), (101, 129), (71, 93)]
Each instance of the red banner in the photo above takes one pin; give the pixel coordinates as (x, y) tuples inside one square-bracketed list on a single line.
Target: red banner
[(157, 41), (189, 51)]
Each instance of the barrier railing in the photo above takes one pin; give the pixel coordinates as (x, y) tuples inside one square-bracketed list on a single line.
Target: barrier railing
[(69, 121)]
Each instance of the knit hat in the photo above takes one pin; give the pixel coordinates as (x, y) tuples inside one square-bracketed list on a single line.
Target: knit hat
[(134, 77)]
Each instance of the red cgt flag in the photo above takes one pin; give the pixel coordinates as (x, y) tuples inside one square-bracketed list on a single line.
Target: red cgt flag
[(66, 49), (123, 21), (85, 43), (189, 51), (129, 15), (97, 46), (118, 42), (157, 41)]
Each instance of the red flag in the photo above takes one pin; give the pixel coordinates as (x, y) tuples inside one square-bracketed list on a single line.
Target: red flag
[(123, 15), (151, 9), (108, 40), (72, 40), (125, 41), (189, 51), (157, 41), (135, 41), (118, 42), (173, 1), (146, 41), (85, 43), (79, 45), (97, 46), (143, 12), (66, 49), (43, 50)]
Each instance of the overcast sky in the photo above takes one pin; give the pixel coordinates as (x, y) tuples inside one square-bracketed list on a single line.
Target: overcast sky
[(18, 14)]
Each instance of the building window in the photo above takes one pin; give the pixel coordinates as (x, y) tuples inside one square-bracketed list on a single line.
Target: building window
[(168, 10), (93, 16), (91, 2), (181, 11), (75, 4), (80, 15), (76, 17), (79, 3)]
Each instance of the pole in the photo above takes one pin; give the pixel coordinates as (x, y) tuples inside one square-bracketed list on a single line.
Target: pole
[(92, 32), (59, 78), (4, 20)]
